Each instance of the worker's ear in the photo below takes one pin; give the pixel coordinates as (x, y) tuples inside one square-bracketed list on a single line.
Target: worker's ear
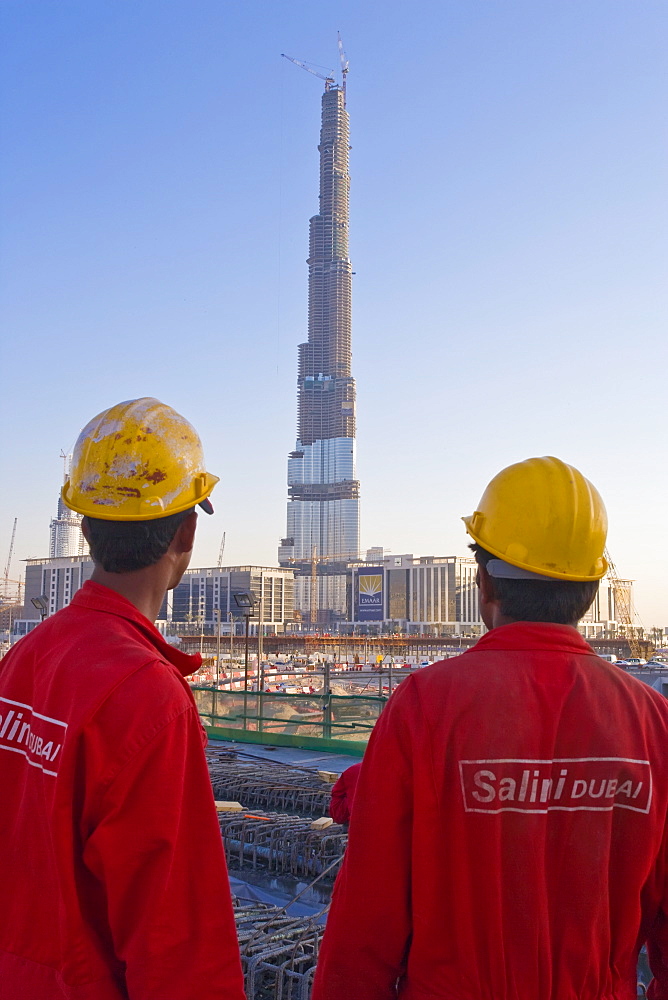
[(85, 530), (485, 585), (184, 539)]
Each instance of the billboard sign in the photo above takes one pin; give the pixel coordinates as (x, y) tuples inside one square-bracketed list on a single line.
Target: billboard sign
[(370, 594)]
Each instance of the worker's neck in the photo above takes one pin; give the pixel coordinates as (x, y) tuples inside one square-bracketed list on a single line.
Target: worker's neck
[(144, 588), (500, 619)]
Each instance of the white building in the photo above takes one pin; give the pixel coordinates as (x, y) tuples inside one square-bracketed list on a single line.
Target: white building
[(438, 594), (205, 595), (56, 579), (422, 594), (65, 535), (608, 610)]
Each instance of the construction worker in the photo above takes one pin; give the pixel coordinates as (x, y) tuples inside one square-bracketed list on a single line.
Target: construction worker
[(114, 883), (343, 794), (508, 839)]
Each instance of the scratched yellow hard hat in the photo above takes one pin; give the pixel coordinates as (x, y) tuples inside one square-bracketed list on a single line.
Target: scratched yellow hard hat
[(543, 516), (138, 461)]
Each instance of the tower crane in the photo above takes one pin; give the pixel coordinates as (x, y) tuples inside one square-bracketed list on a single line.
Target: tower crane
[(344, 65), (7, 597), (314, 585), (623, 609), (314, 562), (221, 551), (329, 80), (9, 557)]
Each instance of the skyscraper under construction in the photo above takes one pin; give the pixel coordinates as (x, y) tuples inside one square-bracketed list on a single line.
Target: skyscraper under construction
[(323, 505)]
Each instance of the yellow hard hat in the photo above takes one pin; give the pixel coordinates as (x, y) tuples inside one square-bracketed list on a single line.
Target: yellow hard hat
[(543, 516), (138, 461)]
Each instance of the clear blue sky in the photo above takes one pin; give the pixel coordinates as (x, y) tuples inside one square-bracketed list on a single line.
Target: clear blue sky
[(508, 233)]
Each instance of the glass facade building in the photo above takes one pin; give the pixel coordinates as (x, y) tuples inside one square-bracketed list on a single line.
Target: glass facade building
[(323, 492)]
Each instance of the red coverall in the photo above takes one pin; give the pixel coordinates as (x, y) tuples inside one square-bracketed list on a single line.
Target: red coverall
[(114, 882), (343, 794), (508, 840)]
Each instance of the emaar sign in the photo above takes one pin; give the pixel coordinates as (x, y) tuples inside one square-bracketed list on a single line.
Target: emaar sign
[(370, 594)]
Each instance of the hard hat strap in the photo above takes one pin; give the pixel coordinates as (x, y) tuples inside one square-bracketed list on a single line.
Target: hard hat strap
[(501, 570)]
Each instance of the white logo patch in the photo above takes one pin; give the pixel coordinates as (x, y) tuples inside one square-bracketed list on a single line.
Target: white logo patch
[(38, 737), (568, 784)]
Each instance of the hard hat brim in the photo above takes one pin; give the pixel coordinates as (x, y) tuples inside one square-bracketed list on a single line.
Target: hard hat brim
[(566, 577), (155, 511)]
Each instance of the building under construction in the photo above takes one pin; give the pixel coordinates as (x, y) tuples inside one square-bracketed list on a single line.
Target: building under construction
[(323, 506), (65, 537)]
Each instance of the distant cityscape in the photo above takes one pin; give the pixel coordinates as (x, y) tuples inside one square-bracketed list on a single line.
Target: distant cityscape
[(385, 594), (321, 584)]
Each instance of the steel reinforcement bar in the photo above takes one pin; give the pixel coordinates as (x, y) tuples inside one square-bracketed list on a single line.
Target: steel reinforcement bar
[(275, 787), (278, 952), (282, 844)]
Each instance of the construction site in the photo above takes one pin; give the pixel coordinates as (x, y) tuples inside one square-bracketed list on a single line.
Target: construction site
[(300, 659), (283, 853)]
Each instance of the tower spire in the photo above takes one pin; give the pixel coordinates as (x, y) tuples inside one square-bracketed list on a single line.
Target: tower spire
[(344, 66), (323, 491)]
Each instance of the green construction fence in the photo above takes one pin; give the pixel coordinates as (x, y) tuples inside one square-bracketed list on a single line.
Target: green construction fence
[(337, 723)]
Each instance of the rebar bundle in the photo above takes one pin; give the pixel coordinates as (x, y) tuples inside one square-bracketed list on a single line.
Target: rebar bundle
[(275, 787), (278, 952), (281, 843)]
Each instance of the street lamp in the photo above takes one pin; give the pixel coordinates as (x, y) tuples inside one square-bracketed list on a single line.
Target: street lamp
[(216, 612), (42, 605), (245, 601), (260, 635)]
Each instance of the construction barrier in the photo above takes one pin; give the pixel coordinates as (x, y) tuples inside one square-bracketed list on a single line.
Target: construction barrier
[(341, 723)]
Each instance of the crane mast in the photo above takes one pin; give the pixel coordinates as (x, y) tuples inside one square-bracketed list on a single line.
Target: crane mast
[(5, 576), (9, 557), (623, 609), (344, 65)]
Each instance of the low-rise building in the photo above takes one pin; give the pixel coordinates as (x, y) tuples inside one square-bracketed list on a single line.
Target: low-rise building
[(56, 579), (438, 595), (606, 617), (205, 595), (200, 599), (434, 595), (423, 594)]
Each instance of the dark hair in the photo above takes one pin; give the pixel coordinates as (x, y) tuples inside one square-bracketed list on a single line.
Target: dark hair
[(563, 602), (125, 546)]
